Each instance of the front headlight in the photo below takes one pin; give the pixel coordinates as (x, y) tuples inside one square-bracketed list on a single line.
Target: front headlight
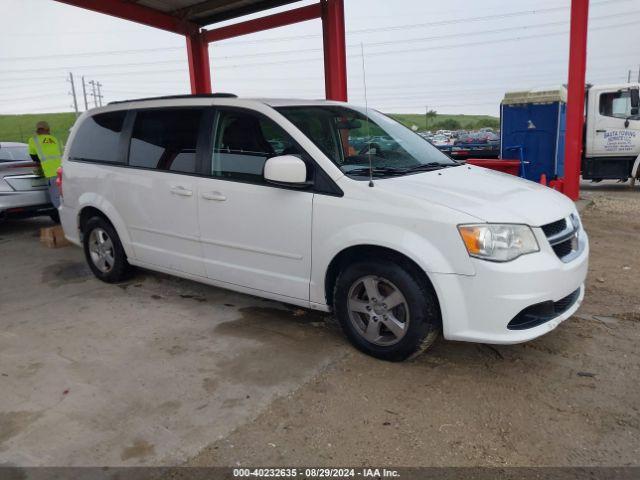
[(498, 243)]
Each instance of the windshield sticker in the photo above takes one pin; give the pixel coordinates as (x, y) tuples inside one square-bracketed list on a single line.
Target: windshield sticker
[(619, 140)]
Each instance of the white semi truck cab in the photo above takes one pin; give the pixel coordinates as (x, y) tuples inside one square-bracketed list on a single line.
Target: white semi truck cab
[(612, 132)]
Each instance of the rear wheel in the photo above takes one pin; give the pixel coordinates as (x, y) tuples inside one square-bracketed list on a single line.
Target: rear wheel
[(103, 251), (386, 309)]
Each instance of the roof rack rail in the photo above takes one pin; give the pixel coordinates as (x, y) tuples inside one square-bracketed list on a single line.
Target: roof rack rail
[(172, 97)]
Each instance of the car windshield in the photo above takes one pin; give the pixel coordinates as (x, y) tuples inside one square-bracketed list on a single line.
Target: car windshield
[(13, 154), (352, 140)]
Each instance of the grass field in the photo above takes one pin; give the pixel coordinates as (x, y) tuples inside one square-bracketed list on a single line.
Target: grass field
[(447, 122), (18, 128)]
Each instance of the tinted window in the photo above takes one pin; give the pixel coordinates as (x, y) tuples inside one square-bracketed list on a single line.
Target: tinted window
[(166, 139), (98, 138), (243, 142), (14, 154)]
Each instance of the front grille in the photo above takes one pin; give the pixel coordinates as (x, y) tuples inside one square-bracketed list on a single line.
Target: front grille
[(562, 236), (542, 312), (563, 249), (554, 228)]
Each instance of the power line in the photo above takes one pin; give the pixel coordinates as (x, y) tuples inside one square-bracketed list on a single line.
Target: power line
[(373, 54), (367, 30)]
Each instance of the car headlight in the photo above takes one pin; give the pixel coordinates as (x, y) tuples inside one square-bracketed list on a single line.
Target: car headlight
[(498, 243)]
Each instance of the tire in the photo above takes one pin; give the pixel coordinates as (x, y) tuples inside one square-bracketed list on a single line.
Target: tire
[(393, 331), (103, 251)]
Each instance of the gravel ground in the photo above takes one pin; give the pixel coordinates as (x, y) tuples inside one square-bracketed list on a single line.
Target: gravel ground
[(571, 397)]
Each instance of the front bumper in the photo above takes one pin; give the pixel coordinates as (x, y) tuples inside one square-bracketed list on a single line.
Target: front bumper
[(478, 308)]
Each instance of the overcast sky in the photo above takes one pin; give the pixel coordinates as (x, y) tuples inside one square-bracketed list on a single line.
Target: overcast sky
[(458, 56)]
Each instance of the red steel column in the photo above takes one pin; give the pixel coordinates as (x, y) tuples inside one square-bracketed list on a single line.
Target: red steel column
[(575, 97), (335, 51), (199, 69)]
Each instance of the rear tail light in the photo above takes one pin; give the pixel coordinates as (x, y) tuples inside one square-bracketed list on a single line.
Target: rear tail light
[(59, 180)]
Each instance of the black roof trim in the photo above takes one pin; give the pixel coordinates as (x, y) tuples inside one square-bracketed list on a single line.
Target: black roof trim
[(223, 14), (173, 97)]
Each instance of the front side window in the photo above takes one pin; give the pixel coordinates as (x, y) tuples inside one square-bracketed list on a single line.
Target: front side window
[(615, 104), (98, 138), (353, 140), (243, 141), (166, 139)]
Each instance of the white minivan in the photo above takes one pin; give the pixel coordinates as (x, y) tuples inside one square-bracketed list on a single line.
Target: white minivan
[(327, 206)]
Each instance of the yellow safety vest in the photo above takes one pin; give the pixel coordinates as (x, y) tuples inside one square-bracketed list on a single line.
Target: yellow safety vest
[(49, 151)]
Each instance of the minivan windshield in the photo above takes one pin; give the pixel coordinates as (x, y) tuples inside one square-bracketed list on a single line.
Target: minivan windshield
[(353, 140)]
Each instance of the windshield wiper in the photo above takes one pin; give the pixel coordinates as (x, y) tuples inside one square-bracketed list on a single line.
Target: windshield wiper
[(427, 167), (376, 171)]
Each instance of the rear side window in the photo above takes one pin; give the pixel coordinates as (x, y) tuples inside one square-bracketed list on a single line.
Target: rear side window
[(98, 138), (166, 139)]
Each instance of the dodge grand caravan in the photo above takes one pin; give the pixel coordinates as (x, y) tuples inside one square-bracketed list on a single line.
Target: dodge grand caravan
[(326, 206)]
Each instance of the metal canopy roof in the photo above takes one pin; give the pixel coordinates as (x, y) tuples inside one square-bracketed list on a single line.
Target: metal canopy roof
[(206, 12)]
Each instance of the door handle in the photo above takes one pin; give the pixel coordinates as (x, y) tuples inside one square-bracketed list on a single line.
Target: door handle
[(180, 190), (600, 131), (217, 196)]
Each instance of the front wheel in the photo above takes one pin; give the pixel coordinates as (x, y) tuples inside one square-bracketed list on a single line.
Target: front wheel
[(386, 309), (103, 251)]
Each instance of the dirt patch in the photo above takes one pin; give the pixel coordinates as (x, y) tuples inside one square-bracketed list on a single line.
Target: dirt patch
[(567, 398)]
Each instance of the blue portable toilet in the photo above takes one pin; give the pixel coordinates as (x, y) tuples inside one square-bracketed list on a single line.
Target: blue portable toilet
[(532, 129)]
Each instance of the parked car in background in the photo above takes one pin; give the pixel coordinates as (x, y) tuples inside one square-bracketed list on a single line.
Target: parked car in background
[(22, 192), (440, 140), (476, 145), (397, 239), (471, 138)]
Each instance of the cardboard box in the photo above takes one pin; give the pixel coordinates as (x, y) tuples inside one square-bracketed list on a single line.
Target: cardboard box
[(53, 237)]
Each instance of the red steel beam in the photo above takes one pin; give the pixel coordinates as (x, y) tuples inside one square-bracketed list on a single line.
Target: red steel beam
[(136, 13), (199, 69), (264, 23), (575, 97), (335, 53)]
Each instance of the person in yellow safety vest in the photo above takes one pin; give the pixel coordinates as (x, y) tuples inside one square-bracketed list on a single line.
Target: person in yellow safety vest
[(46, 150)]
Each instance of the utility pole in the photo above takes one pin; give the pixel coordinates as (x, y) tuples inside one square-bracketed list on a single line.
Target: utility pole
[(426, 117), (629, 77), (84, 94), (93, 92), (98, 84), (73, 93)]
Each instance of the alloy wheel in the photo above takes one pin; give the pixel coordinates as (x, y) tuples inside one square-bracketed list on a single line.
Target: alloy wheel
[(378, 310)]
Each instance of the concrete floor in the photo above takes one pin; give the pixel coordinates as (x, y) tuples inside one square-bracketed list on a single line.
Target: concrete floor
[(144, 373)]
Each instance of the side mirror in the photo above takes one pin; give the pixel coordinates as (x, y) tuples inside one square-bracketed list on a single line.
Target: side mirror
[(287, 170), (635, 98)]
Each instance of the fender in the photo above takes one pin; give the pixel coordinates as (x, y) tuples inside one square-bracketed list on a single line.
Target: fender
[(91, 199), (407, 242)]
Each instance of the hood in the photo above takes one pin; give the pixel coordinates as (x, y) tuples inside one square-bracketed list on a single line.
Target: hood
[(485, 194)]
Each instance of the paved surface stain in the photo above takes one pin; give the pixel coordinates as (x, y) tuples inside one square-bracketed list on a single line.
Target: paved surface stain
[(139, 449), (12, 423), (65, 272), (210, 385)]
